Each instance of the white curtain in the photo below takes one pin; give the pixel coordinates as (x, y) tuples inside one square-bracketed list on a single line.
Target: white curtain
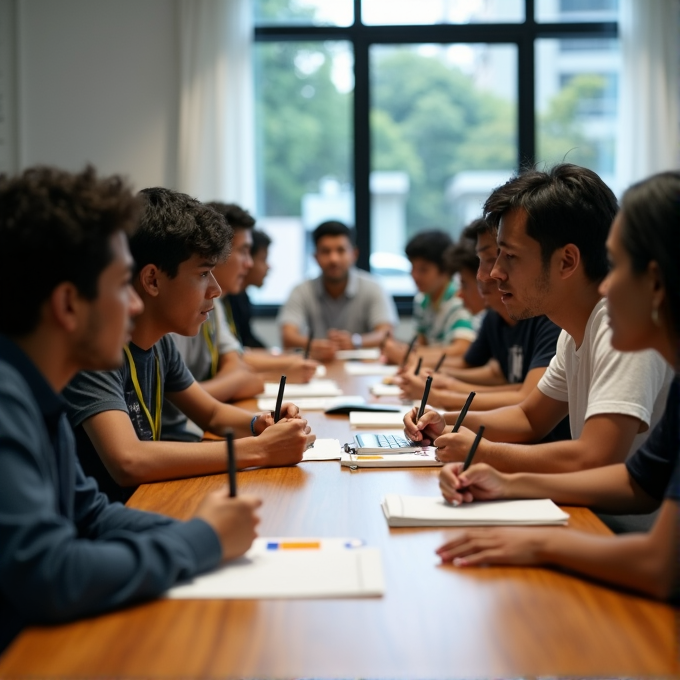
[(216, 155), (649, 124)]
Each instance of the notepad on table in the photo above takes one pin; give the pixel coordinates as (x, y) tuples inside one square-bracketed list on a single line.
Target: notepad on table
[(293, 568), (373, 419), (323, 449), (311, 403), (382, 390), (358, 368), (366, 354), (434, 511), (423, 458), (314, 388)]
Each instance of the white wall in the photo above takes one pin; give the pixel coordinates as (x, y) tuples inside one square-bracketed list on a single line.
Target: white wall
[(97, 82)]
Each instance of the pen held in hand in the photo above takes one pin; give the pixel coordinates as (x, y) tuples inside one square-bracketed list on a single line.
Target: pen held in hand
[(383, 342), (442, 358), (418, 367), (279, 399), (308, 348), (231, 462), (409, 350), (473, 448), (426, 394), (463, 412)]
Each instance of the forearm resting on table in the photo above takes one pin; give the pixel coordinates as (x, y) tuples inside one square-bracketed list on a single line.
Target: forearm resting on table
[(483, 401)]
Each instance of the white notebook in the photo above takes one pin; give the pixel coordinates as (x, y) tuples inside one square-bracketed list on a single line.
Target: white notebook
[(323, 449), (358, 368), (285, 568), (376, 419), (382, 390), (310, 403), (424, 458), (434, 511), (314, 388), (367, 354)]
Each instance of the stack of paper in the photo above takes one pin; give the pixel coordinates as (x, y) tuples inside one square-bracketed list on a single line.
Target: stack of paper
[(426, 457), (372, 419), (358, 368), (314, 388), (434, 511), (311, 403), (323, 449), (381, 390), (367, 354), (293, 568)]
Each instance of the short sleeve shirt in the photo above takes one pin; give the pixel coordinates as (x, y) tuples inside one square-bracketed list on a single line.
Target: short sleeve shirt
[(93, 392), (595, 378), (445, 322), (363, 306)]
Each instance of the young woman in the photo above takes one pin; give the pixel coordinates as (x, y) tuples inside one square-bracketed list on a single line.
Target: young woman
[(643, 298)]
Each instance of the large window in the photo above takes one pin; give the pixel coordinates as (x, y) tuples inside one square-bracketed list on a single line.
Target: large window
[(400, 115)]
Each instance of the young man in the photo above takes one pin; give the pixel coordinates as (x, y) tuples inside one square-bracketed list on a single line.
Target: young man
[(508, 358), (461, 258), (65, 552), (240, 303), (344, 308), (117, 414), (552, 228)]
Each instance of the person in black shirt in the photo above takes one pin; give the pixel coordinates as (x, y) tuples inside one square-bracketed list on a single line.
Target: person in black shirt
[(643, 298)]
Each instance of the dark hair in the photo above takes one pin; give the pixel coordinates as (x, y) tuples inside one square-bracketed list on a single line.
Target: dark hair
[(260, 241), (650, 231), (568, 204), (173, 227), (235, 215), (332, 228), (430, 246), (58, 226), (477, 228), (461, 256)]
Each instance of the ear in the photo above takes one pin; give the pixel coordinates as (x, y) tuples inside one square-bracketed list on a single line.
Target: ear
[(569, 260), (66, 306), (656, 284), (148, 279)]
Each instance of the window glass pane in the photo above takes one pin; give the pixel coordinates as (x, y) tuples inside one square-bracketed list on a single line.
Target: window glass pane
[(303, 12), (443, 134), (556, 11), (577, 103), (303, 96), (405, 12)]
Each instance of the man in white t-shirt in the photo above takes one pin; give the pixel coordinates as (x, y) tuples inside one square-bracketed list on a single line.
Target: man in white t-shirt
[(551, 259)]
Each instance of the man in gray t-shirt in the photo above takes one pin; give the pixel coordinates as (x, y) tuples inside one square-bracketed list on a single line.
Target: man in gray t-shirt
[(344, 308)]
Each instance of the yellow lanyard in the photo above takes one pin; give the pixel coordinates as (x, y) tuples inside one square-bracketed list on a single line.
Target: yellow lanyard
[(211, 325), (155, 422), (230, 318)]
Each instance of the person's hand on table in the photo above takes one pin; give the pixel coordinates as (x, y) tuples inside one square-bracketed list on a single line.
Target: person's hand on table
[(508, 545), (323, 350), (427, 429), (480, 482), (301, 370), (341, 339), (266, 419), (393, 351), (233, 520), (285, 442), (452, 448), (412, 385)]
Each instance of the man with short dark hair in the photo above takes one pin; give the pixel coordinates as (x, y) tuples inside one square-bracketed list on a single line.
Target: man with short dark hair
[(552, 228), (344, 308), (117, 414), (65, 551)]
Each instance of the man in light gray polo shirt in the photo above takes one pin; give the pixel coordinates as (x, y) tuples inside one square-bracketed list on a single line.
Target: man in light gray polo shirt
[(344, 308)]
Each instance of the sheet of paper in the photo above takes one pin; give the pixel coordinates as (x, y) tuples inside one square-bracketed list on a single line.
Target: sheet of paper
[(290, 571), (367, 354), (370, 419), (320, 371), (435, 511), (358, 368), (323, 449), (381, 390), (314, 388), (312, 403)]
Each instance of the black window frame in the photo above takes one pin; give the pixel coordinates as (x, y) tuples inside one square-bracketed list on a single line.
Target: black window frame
[(361, 37)]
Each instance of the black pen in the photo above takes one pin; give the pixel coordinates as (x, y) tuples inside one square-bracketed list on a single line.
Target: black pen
[(426, 394), (409, 350), (463, 413), (279, 399), (420, 363), (442, 358), (473, 449), (231, 462), (308, 349)]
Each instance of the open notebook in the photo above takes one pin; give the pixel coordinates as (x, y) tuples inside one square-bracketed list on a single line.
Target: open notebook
[(384, 420), (425, 457), (434, 511), (314, 388)]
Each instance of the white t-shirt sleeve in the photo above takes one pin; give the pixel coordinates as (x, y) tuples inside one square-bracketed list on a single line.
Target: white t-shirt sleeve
[(554, 383), (226, 342)]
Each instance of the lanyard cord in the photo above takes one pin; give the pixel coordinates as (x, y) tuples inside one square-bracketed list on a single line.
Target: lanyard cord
[(211, 325), (230, 319), (155, 422)]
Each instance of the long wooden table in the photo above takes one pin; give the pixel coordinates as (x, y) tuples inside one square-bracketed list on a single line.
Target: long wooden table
[(433, 622)]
